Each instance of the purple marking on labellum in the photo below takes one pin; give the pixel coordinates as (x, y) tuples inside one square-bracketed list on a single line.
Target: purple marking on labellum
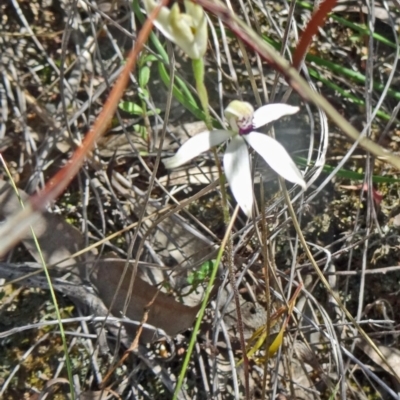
[(246, 130), (245, 124)]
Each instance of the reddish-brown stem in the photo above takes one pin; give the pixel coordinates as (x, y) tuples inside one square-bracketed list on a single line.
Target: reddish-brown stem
[(317, 20), (60, 181)]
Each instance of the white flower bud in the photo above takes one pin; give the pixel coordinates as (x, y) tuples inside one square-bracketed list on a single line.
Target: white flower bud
[(187, 30)]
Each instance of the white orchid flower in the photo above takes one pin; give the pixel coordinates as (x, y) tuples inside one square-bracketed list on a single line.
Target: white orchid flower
[(188, 30), (243, 120)]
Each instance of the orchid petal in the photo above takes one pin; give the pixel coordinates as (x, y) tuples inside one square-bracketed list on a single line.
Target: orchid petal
[(164, 29), (199, 18), (271, 112), (197, 145), (181, 24), (201, 39), (276, 156), (237, 171), (162, 21), (188, 30)]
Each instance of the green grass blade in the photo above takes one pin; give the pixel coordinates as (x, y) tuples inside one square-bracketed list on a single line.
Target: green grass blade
[(345, 173), (52, 293), (349, 73), (315, 74), (355, 27)]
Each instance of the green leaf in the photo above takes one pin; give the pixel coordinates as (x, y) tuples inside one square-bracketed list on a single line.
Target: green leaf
[(149, 58), (185, 101), (139, 129), (131, 108), (151, 112), (144, 76), (200, 275), (143, 93), (345, 173)]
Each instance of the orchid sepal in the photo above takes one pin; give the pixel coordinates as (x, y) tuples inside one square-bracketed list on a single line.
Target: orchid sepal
[(243, 120), (188, 30)]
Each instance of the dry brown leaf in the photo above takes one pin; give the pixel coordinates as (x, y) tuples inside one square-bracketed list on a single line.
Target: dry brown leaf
[(166, 313), (190, 176), (391, 354), (59, 240)]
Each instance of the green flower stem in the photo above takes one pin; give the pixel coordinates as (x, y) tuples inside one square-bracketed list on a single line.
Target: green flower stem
[(198, 70), (203, 307)]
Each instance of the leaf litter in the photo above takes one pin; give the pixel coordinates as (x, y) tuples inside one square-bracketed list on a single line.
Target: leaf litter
[(337, 222)]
